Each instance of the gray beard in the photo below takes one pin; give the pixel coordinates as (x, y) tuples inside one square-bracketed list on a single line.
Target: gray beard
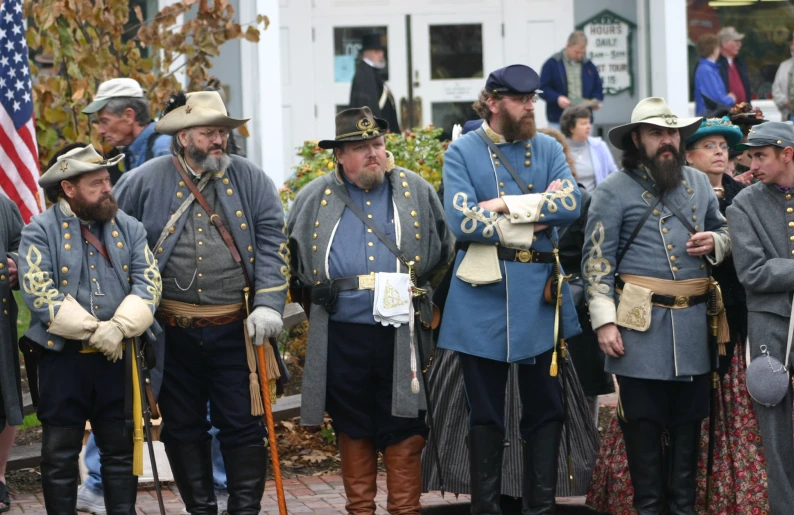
[(207, 162)]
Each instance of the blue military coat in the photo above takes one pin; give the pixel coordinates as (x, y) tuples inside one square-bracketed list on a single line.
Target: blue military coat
[(53, 256), (507, 320), (675, 346)]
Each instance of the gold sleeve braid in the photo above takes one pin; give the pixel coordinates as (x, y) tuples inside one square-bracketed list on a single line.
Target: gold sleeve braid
[(38, 283), (564, 195), (152, 276), (472, 217), (284, 254), (596, 266)]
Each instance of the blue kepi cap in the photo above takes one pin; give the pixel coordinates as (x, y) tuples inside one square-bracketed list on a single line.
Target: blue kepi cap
[(515, 79)]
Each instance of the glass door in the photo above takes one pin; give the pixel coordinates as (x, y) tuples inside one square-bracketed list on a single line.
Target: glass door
[(451, 57)]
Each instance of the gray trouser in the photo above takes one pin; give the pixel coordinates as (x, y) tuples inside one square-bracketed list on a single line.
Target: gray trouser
[(777, 433)]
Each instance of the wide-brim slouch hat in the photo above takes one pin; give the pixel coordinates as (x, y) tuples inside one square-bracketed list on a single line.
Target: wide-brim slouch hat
[(653, 111), (74, 163), (201, 109), (355, 124)]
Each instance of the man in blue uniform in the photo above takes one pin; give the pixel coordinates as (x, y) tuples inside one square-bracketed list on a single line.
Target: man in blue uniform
[(90, 281), (495, 312), (652, 230), (206, 284)]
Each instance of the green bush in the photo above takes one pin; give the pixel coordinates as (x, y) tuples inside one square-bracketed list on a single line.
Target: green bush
[(420, 151)]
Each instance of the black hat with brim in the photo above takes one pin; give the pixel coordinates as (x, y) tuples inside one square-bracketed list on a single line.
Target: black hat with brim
[(356, 124)]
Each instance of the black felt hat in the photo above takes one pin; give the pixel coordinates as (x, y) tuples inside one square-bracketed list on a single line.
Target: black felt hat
[(356, 124), (372, 42)]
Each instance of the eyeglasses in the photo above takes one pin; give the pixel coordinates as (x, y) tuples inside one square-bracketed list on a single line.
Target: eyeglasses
[(524, 99), (214, 133), (711, 147)]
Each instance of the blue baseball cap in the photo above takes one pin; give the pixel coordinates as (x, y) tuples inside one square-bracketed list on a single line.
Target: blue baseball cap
[(515, 79)]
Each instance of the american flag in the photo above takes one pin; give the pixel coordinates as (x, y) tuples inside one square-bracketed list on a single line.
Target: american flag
[(19, 157)]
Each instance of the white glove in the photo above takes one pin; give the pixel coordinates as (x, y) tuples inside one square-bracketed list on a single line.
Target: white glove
[(73, 322), (107, 340), (263, 322), (133, 316)]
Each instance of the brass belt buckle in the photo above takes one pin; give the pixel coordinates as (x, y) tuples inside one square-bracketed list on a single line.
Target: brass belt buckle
[(525, 256), (366, 282), (183, 322), (682, 301)]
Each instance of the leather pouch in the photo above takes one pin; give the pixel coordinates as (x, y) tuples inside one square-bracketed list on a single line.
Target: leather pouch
[(634, 308), (480, 265), (324, 295)]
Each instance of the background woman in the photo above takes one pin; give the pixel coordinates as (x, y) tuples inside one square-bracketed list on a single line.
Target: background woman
[(591, 156)]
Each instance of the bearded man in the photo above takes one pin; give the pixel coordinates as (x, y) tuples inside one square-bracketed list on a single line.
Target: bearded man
[(657, 225), (90, 281), (507, 230), (216, 225), (371, 241)]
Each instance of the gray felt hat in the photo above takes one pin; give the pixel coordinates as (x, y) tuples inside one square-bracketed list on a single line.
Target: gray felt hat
[(774, 134), (74, 163)]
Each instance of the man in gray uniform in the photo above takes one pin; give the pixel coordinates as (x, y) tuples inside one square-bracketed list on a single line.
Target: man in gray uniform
[(90, 281), (351, 232), (657, 225), (208, 287), (762, 232)]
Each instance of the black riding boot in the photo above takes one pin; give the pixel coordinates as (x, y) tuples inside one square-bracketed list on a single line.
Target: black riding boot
[(486, 445), (685, 443), (115, 455), (540, 469), (644, 453), (246, 468), (191, 463), (60, 450)]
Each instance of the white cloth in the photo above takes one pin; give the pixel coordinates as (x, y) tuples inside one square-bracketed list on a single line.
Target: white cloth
[(263, 322), (780, 88), (392, 299)]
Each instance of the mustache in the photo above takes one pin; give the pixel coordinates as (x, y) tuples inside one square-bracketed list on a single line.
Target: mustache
[(666, 148)]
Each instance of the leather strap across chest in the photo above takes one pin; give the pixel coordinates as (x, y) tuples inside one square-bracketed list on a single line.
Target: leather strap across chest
[(94, 242)]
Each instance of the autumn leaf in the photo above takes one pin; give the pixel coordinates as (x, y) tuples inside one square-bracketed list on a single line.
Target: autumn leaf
[(315, 456)]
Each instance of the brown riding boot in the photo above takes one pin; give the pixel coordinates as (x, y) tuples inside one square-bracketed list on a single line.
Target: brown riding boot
[(404, 476), (359, 473)]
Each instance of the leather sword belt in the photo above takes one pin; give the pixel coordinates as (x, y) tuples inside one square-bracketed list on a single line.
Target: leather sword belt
[(669, 301), (356, 282), (185, 316), (518, 255)]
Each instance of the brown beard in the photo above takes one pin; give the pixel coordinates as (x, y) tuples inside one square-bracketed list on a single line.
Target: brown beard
[(102, 211), (667, 173), (517, 129)]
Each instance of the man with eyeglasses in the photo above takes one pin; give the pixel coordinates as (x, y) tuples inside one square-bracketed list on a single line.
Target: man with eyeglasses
[(216, 226), (506, 191)]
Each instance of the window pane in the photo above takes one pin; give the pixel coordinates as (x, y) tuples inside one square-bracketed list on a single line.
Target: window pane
[(447, 114), (347, 44), (456, 51), (766, 27)]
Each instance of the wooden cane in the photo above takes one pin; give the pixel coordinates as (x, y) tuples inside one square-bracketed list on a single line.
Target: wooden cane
[(271, 428)]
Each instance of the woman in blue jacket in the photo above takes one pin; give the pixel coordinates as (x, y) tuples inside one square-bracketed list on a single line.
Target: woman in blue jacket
[(708, 81)]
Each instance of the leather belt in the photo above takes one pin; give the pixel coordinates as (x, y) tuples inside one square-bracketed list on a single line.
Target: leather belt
[(356, 282), (520, 256), (185, 322), (669, 301)]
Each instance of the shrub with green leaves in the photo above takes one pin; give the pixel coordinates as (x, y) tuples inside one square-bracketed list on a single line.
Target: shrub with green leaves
[(419, 150)]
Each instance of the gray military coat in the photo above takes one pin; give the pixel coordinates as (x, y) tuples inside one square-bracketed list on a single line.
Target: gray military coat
[(10, 393), (763, 251), (675, 346), (421, 235)]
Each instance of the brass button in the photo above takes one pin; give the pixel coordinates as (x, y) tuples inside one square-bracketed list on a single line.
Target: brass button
[(199, 290), (314, 236), (65, 270), (670, 247), (93, 267), (225, 180), (497, 163), (328, 191), (418, 258), (675, 269), (201, 258), (531, 186), (418, 236), (683, 182), (239, 214), (371, 258), (314, 272), (501, 185), (181, 184), (370, 244), (702, 267), (697, 227), (179, 194), (171, 230), (323, 203), (199, 215), (789, 210), (655, 212), (200, 229), (314, 248), (243, 226), (788, 196), (90, 253), (125, 268), (2, 266), (527, 162), (96, 308), (665, 230), (115, 234), (694, 218), (673, 259), (791, 224), (250, 248), (160, 250), (251, 260), (515, 216), (528, 154), (64, 282), (369, 216), (689, 190), (528, 145), (542, 215), (201, 275), (405, 184), (369, 230), (413, 213), (407, 194), (50, 343), (416, 224), (501, 193), (201, 243), (317, 223), (67, 236), (402, 175), (230, 192), (648, 195), (120, 245), (369, 203), (493, 156), (694, 208), (65, 225), (67, 247)]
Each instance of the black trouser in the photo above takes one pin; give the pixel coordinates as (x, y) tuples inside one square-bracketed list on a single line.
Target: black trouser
[(359, 384), (201, 365), (665, 403), (485, 381)]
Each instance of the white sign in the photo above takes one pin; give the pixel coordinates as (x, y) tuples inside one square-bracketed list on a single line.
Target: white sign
[(609, 48)]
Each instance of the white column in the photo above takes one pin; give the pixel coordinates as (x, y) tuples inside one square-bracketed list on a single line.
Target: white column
[(668, 53), (180, 76), (261, 90)]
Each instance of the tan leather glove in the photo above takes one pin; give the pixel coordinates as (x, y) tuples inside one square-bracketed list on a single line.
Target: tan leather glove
[(107, 340), (133, 316), (73, 322)]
